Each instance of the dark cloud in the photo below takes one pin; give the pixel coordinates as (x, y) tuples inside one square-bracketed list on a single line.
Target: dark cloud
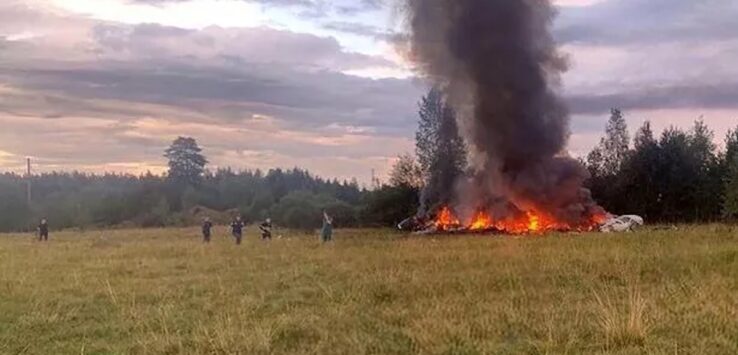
[(715, 96), (107, 96), (304, 100), (229, 74), (630, 22), (247, 46), (115, 75)]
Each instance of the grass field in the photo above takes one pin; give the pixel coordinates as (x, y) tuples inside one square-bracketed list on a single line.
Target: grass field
[(370, 292)]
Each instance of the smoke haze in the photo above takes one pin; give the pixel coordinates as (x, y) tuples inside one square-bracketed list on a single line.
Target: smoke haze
[(498, 65)]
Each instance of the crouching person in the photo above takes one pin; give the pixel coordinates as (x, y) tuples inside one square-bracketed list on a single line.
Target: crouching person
[(266, 229)]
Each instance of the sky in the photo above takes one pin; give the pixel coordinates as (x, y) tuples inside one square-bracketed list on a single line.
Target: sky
[(105, 85)]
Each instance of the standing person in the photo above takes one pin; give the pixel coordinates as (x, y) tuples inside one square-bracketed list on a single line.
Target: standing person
[(43, 230), (237, 229), (326, 234), (266, 229), (206, 227)]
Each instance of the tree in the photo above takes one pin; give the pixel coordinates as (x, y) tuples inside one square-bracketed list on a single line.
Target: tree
[(186, 162), (431, 109), (614, 146), (639, 175), (708, 171), (389, 205), (15, 214), (595, 163), (675, 176), (730, 195), (406, 172), (440, 150), (731, 146), (606, 160)]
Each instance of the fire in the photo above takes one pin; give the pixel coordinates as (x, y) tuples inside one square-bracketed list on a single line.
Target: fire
[(481, 221), (446, 220), (530, 222), (533, 221)]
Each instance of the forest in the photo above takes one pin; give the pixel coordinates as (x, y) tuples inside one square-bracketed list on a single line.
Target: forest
[(676, 176)]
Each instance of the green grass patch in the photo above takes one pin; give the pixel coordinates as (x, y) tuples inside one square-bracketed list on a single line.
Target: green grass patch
[(370, 292)]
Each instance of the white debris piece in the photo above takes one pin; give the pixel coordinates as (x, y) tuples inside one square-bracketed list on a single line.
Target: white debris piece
[(622, 224)]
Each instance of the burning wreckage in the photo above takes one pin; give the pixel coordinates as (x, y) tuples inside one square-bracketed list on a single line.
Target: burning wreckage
[(445, 221), (499, 68)]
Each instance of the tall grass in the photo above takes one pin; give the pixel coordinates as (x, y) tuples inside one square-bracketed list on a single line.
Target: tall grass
[(370, 292), (622, 325)]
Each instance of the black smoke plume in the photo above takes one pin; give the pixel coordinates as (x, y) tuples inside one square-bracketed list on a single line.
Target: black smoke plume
[(498, 65)]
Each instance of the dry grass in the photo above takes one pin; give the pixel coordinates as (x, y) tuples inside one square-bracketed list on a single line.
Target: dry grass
[(371, 292), (623, 325)]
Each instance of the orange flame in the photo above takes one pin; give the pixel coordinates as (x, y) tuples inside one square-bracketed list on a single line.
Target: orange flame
[(446, 220), (530, 222), (533, 222), (481, 221)]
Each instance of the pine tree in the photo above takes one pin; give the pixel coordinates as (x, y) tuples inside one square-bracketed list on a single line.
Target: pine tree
[(730, 195), (614, 145), (708, 172), (606, 161), (440, 149), (426, 138), (186, 162)]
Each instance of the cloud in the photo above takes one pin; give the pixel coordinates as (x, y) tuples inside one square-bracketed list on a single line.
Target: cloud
[(643, 22), (311, 9), (306, 100), (76, 92), (361, 29), (249, 46), (715, 96), (642, 55), (108, 96)]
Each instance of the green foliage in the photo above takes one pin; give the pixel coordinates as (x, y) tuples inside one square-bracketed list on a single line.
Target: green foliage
[(186, 162), (679, 177), (162, 291), (730, 199), (406, 172), (304, 210), (440, 149), (607, 160), (615, 144), (81, 200), (389, 205), (15, 214)]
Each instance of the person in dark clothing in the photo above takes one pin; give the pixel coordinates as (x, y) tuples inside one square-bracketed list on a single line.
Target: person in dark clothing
[(266, 229), (326, 233), (237, 229), (43, 230), (206, 227)]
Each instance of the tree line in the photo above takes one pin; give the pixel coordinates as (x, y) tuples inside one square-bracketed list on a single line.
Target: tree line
[(677, 176), (293, 197)]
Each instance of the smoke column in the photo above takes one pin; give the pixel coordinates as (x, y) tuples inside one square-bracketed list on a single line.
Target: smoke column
[(498, 65)]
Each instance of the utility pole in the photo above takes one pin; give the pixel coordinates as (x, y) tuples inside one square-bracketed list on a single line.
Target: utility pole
[(374, 181), (28, 180)]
